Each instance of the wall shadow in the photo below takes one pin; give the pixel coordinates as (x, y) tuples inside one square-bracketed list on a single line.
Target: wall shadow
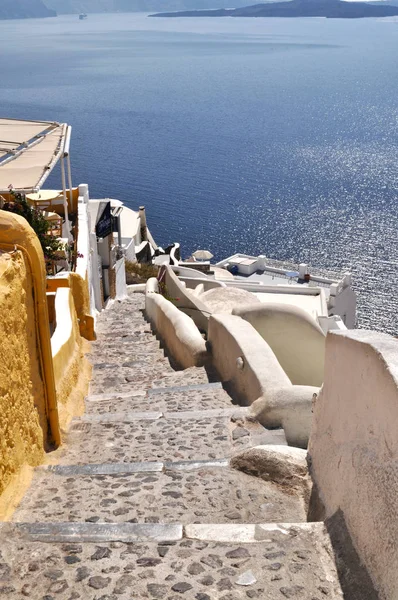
[(355, 580)]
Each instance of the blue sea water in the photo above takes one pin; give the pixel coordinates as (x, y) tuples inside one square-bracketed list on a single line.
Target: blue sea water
[(271, 136)]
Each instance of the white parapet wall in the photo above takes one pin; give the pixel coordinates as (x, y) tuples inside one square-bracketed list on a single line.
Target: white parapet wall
[(121, 286), (151, 287), (353, 448), (343, 302), (71, 368), (186, 301), (294, 336), (63, 339), (243, 359), (179, 334), (251, 372), (87, 258)]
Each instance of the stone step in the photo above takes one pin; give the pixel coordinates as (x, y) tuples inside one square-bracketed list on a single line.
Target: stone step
[(195, 397), (90, 561), (234, 412), (128, 332), (205, 494), (130, 368), (112, 331), (128, 353), (191, 376), (187, 438), (149, 367), (141, 377), (126, 340), (145, 347), (131, 324), (114, 356), (137, 467), (158, 375)]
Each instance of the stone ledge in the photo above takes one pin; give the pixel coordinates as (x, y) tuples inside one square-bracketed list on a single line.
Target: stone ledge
[(114, 396), (156, 532), (106, 468), (215, 413), (96, 532), (121, 417), (135, 467), (184, 388), (248, 533)]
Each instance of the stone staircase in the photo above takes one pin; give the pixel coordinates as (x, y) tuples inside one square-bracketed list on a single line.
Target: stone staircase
[(143, 503)]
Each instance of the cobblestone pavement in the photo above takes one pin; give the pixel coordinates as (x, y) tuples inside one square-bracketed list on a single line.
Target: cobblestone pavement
[(168, 439), (283, 566), (202, 397), (143, 503), (205, 495)]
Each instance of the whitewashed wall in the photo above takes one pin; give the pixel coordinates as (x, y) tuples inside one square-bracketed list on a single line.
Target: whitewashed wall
[(87, 263), (121, 286), (353, 447)]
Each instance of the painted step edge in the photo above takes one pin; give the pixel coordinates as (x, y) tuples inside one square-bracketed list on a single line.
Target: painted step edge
[(154, 532), (216, 413), (152, 392), (115, 396), (247, 533), (119, 417), (137, 467), (95, 532), (184, 388), (105, 468)]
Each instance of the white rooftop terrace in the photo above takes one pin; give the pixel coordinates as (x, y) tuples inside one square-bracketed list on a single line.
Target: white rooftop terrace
[(260, 269)]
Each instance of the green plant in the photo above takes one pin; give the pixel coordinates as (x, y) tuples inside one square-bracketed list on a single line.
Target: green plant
[(35, 217)]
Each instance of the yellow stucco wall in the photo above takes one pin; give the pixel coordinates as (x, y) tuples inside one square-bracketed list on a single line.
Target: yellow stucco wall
[(40, 390), (16, 234), (79, 287), (23, 423)]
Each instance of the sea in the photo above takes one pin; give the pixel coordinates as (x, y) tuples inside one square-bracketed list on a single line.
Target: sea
[(263, 136)]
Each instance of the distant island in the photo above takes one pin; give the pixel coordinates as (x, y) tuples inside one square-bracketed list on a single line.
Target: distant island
[(331, 9), (120, 6), (24, 9)]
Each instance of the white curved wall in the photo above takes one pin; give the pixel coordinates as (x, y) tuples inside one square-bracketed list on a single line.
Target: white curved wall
[(186, 301), (188, 272), (178, 332), (250, 370), (151, 287), (208, 284), (344, 305), (294, 336), (354, 447), (121, 285), (231, 338), (87, 265), (226, 299)]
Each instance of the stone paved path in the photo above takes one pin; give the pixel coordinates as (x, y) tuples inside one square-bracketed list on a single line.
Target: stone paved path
[(143, 503)]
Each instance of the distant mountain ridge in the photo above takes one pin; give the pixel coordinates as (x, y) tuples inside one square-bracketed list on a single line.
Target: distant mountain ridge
[(24, 9), (332, 9), (109, 6)]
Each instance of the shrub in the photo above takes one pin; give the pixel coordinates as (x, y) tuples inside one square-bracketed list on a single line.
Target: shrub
[(139, 272)]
